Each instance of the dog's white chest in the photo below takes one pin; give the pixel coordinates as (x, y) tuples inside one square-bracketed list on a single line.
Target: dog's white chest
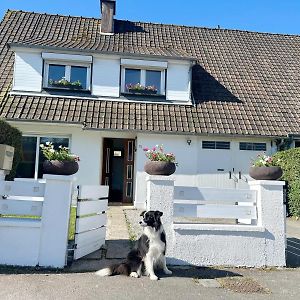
[(156, 248), (156, 245)]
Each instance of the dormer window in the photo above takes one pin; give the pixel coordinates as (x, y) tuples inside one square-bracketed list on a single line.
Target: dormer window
[(143, 77), (67, 72)]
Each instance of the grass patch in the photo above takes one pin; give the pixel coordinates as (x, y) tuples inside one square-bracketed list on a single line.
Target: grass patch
[(132, 235), (72, 223)]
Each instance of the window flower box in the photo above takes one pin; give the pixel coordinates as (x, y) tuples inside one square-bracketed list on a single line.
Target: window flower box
[(65, 84), (140, 89)]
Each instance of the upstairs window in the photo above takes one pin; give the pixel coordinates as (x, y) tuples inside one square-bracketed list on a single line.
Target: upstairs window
[(141, 81), (143, 77), (61, 76), (67, 72)]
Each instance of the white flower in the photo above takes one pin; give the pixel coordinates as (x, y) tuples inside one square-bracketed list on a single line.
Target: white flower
[(52, 150), (48, 143)]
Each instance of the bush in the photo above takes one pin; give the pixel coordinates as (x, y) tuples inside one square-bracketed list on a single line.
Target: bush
[(289, 161), (11, 136)]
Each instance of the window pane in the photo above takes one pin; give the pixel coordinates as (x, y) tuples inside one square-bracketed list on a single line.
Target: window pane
[(223, 145), (56, 143), (56, 72), (27, 165), (79, 74), (208, 145), (259, 146), (153, 78), (132, 76)]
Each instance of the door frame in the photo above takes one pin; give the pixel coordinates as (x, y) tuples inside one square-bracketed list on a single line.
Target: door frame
[(107, 143)]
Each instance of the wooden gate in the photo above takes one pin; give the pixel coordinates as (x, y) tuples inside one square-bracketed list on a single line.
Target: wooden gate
[(91, 219)]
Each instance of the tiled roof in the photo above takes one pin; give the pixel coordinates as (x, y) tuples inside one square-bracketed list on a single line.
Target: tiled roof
[(244, 83)]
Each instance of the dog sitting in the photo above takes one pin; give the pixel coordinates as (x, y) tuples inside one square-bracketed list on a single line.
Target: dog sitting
[(148, 252)]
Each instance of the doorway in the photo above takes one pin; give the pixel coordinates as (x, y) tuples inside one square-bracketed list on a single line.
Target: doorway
[(118, 169)]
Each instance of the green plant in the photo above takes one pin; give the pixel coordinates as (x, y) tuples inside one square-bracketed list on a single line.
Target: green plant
[(157, 154), (11, 136), (65, 83), (63, 153), (289, 161)]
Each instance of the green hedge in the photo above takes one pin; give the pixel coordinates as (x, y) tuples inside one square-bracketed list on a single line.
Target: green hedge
[(11, 136), (289, 161)]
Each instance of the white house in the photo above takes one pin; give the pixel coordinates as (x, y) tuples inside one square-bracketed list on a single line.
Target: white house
[(215, 97)]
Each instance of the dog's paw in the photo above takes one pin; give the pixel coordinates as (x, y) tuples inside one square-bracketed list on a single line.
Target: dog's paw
[(134, 275), (153, 277), (168, 272)]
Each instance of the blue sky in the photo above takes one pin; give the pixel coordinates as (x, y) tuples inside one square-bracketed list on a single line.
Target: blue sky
[(278, 16)]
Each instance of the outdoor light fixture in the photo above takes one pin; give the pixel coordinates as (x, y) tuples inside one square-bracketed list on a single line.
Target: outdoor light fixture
[(188, 142)]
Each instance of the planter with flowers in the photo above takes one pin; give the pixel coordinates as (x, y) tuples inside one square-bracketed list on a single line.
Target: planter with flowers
[(140, 89), (59, 162), (264, 168), (159, 163), (65, 84)]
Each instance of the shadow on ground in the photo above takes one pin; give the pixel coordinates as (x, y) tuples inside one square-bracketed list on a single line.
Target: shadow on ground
[(293, 252)]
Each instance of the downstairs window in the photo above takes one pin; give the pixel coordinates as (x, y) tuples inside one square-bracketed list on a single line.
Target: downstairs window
[(31, 164)]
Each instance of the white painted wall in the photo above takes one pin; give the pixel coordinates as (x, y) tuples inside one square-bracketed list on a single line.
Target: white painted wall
[(259, 245), (197, 166), (28, 72), (178, 82), (106, 77)]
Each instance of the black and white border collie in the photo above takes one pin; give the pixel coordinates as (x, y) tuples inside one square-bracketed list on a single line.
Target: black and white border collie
[(148, 252)]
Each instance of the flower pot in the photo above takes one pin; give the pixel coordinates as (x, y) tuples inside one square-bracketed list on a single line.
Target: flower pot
[(159, 168), (56, 167), (265, 173)]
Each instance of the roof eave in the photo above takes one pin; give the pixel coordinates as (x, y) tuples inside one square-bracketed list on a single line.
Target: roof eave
[(14, 45)]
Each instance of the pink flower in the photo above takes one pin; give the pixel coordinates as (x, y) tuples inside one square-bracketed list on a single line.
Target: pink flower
[(146, 149), (154, 148)]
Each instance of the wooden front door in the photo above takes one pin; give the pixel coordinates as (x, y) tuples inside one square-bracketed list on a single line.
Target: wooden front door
[(118, 169)]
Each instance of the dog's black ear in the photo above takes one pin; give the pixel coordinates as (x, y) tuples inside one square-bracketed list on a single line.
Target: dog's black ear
[(142, 213), (158, 213)]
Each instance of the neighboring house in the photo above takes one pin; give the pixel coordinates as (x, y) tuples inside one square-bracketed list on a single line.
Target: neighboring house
[(220, 97)]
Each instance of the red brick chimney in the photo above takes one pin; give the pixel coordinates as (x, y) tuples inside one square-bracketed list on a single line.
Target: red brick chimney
[(108, 10)]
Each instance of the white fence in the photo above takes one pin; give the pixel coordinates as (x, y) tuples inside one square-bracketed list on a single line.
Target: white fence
[(34, 225), (91, 219), (255, 237), (214, 203), (34, 230)]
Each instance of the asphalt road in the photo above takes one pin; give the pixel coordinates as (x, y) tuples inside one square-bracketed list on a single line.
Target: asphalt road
[(185, 284)]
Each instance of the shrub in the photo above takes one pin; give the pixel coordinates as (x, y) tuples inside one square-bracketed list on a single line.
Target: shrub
[(11, 136), (289, 161)]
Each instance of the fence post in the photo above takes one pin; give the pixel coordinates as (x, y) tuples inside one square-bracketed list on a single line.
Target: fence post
[(160, 196), (270, 213), (55, 221), (2, 175)]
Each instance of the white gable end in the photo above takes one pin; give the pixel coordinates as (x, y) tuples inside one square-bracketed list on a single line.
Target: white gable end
[(28, 72)]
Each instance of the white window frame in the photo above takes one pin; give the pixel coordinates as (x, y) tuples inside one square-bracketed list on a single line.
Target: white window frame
[(162, 92), (37, 149), (68, 66)]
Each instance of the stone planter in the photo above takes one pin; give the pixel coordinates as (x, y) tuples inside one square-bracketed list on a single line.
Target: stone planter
[(159, 168), (265, 173), (56, 167)]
